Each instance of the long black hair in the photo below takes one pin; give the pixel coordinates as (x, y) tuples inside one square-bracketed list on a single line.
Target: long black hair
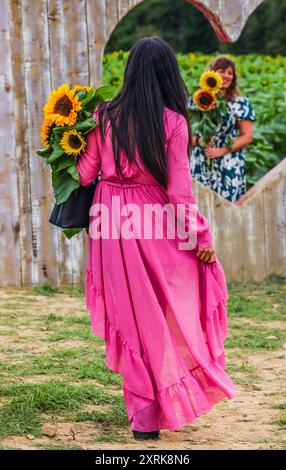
[(152, 80)]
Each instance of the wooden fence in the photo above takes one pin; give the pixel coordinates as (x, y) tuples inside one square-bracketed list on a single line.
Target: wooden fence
[(45, 43)]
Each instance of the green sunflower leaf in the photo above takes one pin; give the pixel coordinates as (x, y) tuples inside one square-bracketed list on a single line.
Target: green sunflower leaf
[(90, 95), (44, 152), (58, 152), (66, 162), (72, 170), (106, 92), (63, 184), (60, 130), (86, 125), (70, 232)]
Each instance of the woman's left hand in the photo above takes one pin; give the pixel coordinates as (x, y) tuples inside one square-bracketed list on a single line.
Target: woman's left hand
[(215, 152)]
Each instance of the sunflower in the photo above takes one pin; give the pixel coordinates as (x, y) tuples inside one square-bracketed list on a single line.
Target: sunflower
[(204, 100), (264, 82), (46, 131), (62, 106), (211, 81), (192, 56), (78, 88), (72, 142)]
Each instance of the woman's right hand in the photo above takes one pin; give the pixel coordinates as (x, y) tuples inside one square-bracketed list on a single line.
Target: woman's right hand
[(207, 254)]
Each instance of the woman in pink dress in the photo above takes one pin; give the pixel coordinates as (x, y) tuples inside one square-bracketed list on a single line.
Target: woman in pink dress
[(157, 299)]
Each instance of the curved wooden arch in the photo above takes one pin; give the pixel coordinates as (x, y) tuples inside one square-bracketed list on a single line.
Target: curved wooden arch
[(44, 45), (227, 17)]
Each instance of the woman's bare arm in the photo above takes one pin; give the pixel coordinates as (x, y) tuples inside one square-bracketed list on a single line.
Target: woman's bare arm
[(245, 138)]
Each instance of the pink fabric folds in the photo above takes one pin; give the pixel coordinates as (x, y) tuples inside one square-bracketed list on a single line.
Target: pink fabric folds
[(161, 311)]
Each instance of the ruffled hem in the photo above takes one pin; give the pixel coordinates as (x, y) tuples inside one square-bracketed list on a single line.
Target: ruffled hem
[(193, 395), (216, 331), (182, 402), (119, 356)]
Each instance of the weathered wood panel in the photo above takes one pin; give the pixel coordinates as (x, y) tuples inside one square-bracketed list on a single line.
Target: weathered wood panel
[(10, 254), (49, 42), (36, 58), (70, 63), (249, 235)]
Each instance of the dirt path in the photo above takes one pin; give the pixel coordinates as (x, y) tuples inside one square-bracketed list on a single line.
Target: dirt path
[(252, 420)]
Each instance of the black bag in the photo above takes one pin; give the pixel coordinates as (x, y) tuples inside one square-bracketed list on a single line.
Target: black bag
[(74, 212)]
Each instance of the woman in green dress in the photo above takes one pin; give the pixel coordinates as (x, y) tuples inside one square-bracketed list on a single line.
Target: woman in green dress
[(227, 174)]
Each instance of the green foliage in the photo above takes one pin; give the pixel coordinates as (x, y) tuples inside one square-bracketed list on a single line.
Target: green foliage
[(261, 78), (21, 415), (186, 28), (43, 382), (60, 154), (65, 177)]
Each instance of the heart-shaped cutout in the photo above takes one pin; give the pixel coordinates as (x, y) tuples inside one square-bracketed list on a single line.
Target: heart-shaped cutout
[(227, 17)]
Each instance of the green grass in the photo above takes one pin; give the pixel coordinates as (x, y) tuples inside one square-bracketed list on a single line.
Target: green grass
[(50, 290), (115, 416), (105, 437), (256, 300), (46, 289), (280, 406), (7, 448), (66, 363), (57, 372), (281, 421), (254, 337), (83, 332), (55, 446), (22, 415)]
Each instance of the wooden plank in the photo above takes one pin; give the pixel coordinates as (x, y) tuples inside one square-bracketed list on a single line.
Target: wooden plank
[(275, 225), (10, 255), (111, 17), (20, 137), (236, 262), (281, 269), (74, 26), (263, 182), (69, 64), (44, 266), (221, 210), (254, 239), (97, 38)]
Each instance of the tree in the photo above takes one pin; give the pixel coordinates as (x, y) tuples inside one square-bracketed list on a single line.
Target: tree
[(187, 29)]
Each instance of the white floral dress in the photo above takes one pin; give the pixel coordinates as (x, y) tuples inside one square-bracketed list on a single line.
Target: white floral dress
[(227, 176)]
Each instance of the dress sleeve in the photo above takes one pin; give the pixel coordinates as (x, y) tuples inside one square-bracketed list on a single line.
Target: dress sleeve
[(89, 161), (180, 185), (243, 109)]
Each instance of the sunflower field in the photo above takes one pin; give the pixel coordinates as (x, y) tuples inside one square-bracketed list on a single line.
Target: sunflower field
[(261, 78)]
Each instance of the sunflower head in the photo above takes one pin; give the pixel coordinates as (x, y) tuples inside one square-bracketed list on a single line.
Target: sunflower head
[(62, 106), (204, 100), (78, 88), (73, 142), (264, 82), (192, 56), (46, 131), (211, 81)]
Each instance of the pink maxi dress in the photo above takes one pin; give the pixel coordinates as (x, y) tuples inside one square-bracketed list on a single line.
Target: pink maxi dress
[(161, 311)]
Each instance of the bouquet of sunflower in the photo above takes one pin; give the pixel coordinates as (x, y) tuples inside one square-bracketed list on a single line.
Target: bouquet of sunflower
[(68, 119), (207, 108)]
